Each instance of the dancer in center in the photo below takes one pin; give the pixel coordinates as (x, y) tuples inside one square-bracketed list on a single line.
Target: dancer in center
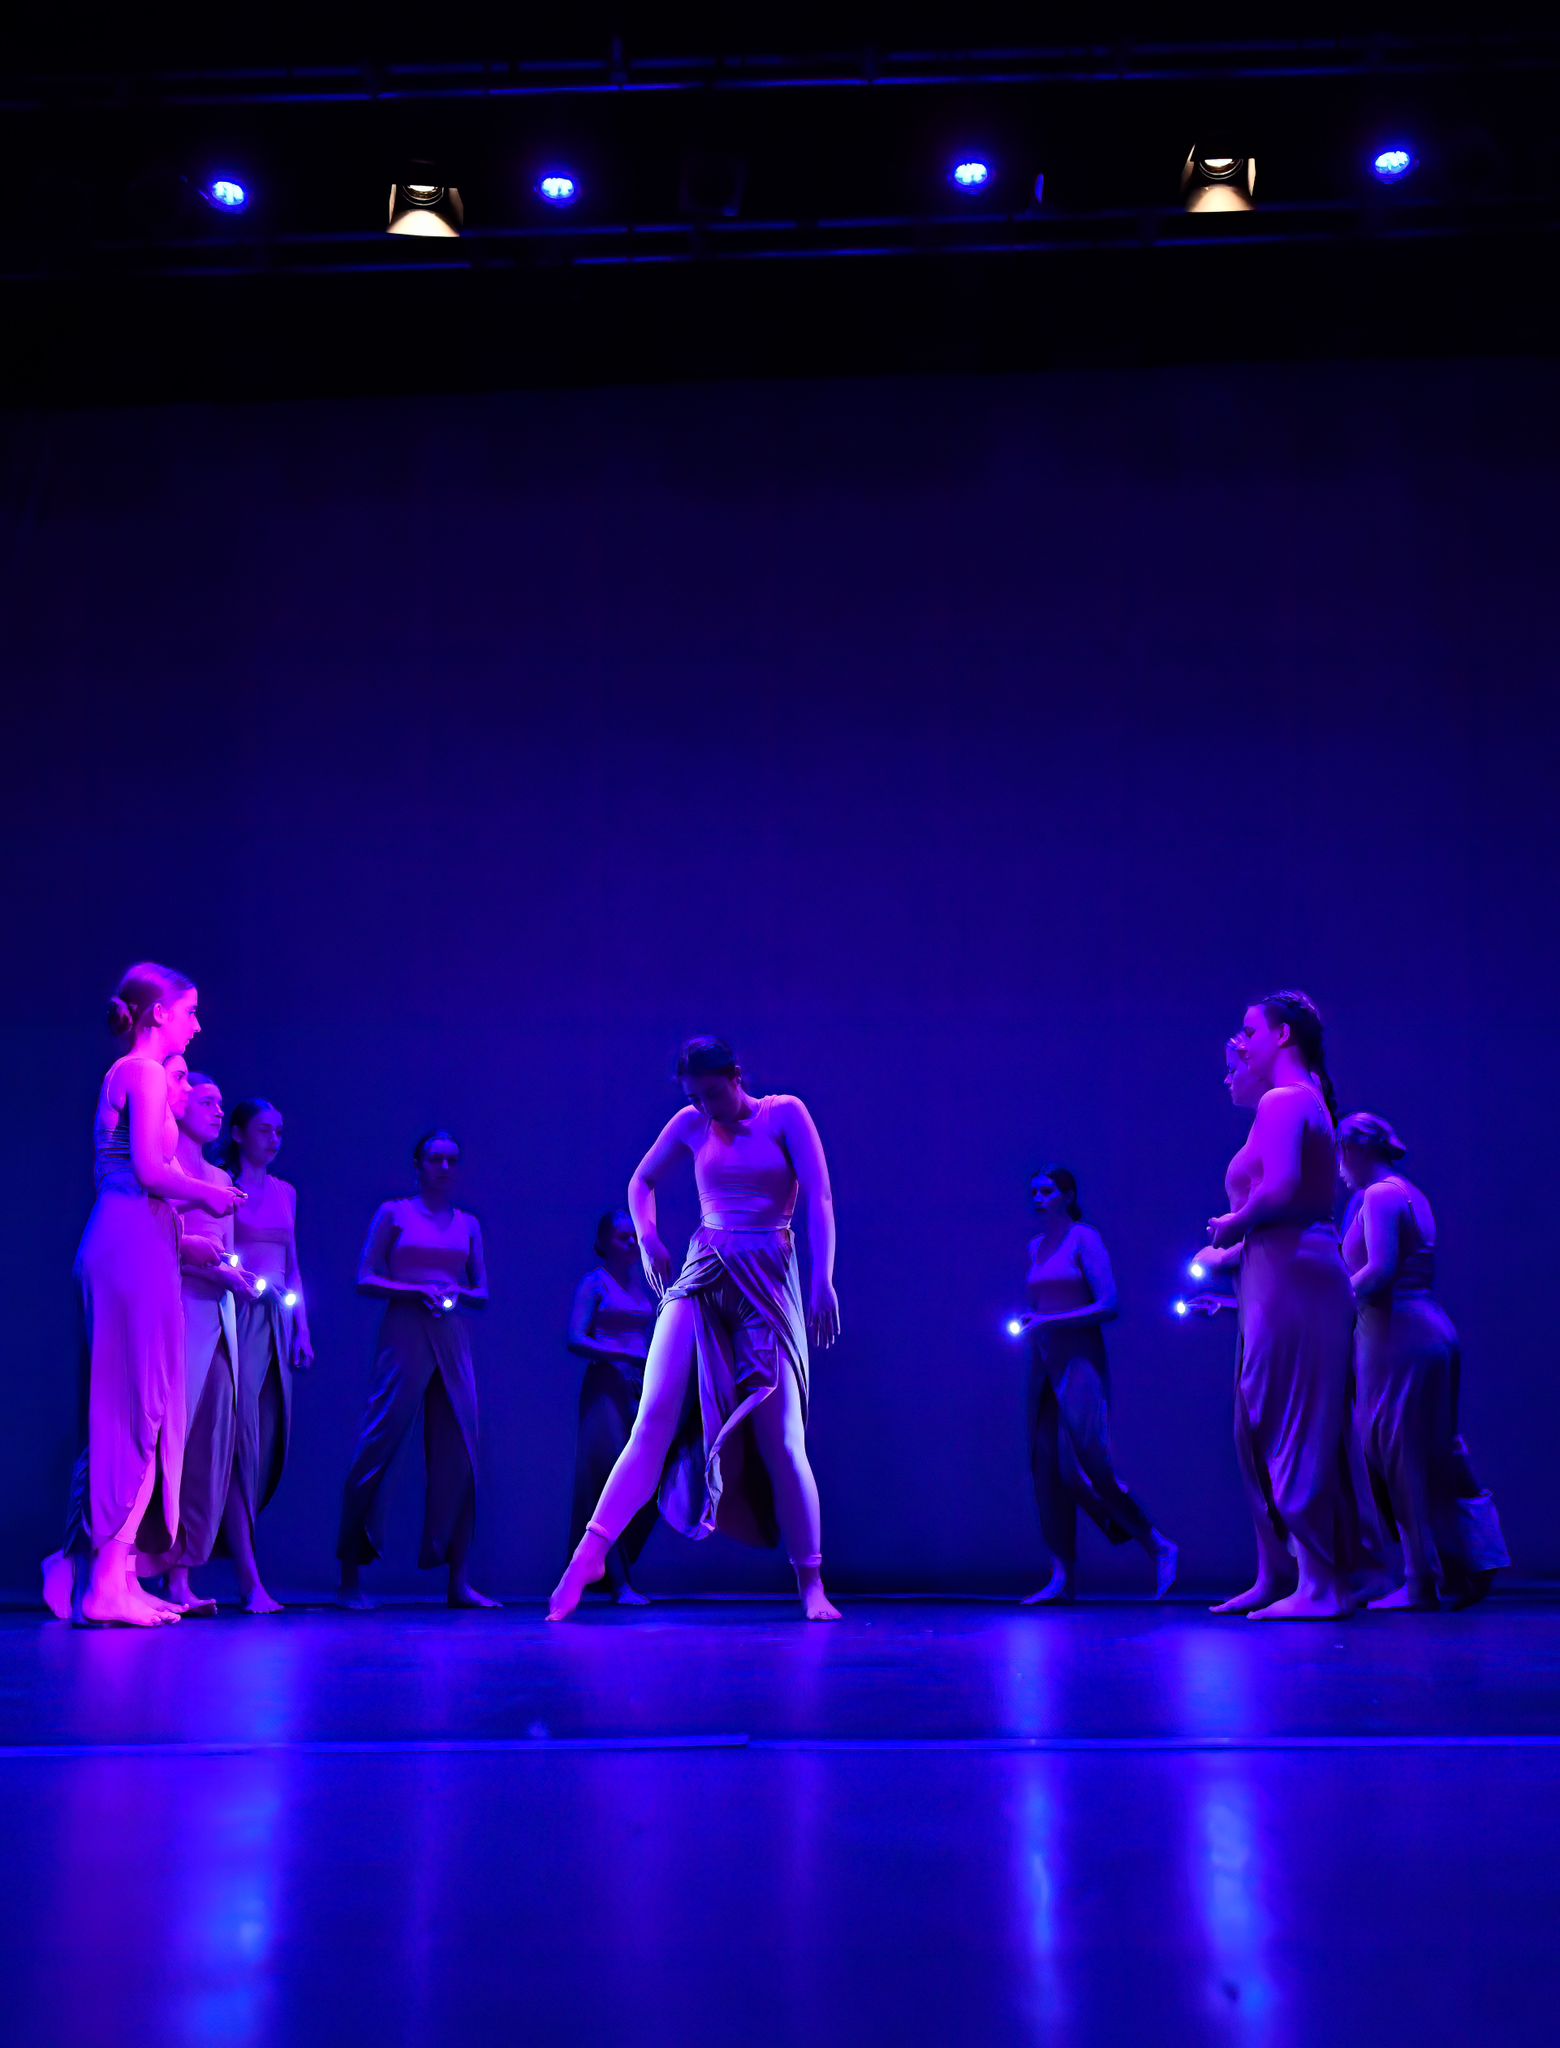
[(1294, 1433), (734, 1320)]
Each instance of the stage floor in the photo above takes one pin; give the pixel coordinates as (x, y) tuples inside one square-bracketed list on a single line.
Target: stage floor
[(934, 1823)]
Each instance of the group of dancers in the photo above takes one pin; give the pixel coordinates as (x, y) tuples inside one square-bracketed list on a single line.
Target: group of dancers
[(695, 1394)]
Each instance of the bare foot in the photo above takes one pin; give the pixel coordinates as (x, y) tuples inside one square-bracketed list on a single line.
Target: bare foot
[(1410, 1598), (59, 1584), (185, 1598), (630, 1596), (585, 1567), (258, 1601), (1256, 1597), (114, 1606), (1167, 1567), (1329, 1603), (463, 1594), (816, 1604), (1056, 1592), (168, 1610)]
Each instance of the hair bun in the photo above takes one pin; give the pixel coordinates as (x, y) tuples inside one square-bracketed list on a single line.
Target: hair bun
[(120, 1020)]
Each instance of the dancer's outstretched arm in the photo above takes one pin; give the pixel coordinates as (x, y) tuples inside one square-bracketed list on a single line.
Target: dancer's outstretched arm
[(678, 1136), (801, 1138)]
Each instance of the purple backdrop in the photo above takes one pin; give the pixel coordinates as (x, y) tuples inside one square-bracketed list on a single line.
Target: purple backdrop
[(968, 751)]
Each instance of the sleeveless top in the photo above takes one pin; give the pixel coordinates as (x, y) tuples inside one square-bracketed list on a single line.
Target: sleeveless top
[(1054, 1280), (620, 1316), (1238, 1173), (744, 1174), (428, 1250), (111, 1135), (262, 1245), (1416, 1264)]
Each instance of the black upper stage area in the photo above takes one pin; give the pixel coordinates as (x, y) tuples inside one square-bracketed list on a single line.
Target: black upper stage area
[(691, 198)]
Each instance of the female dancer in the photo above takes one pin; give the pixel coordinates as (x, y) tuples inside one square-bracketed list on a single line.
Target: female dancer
[(424, 1260), (1407, 1370), (609, 1327), (273, 1335), (735, 1315), (128, 1268), (1293, 1428), (210, 1282), (1072, 1293)]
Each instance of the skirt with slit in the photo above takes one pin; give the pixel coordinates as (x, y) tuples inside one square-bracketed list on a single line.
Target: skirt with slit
[(264, 1418), (211, 1434), (1294, 1421), (745, 1290), (423, 1367), (128, 1271), (1408, 1372)]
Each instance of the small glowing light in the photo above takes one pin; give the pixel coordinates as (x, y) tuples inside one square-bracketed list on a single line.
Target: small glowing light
[(261, 1286), (446, 1301), (970, 175), (1198, 1270), (1014, 1327), (1393, 164), (228, 194), (558, 188), (1182, 1308), (1039, 188), (231, 1259), (289, 1299)]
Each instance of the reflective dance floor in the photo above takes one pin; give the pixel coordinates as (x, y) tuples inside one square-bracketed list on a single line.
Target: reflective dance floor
[(708, 1823)]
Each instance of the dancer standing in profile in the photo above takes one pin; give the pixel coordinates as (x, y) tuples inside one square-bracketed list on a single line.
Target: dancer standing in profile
[(210, 1284), (609, 1327), (1294, 1432), (424, 1260), (273, 1335), (732, 1320), (1407, 1383), (1072, 1294), (128, 1269)]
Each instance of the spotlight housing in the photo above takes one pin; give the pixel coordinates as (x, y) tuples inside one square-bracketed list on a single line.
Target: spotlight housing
[(558, 188), (423, 202), (970, 174), (1218, 184)]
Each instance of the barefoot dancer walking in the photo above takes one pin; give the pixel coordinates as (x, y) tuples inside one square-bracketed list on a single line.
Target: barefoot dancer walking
[(734, 1319)]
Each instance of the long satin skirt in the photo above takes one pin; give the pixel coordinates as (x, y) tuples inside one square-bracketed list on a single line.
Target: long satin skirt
[(749, 1329), (266, 1337), (1408, 1372), (1294, 1423), (1070, 1455)]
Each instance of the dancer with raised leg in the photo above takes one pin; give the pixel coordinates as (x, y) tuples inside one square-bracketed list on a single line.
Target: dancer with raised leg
[(424, 1260), (273, 1336), (732, 1322), (1407, 1383), (1294, 1433), (128, 1270), (1072, 1295), (609, 1327)]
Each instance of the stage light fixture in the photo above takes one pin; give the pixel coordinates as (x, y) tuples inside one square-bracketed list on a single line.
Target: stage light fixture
[(1218, 184), (558, 188), (1393, 165), (424, 203), (227, 195), (970, 174)]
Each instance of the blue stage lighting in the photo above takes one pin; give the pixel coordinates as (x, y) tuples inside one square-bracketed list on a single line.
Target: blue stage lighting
[(1181, 1307), (1014, 1327), (971, 174), (558, 188), (1393, 165), (226, 194)]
